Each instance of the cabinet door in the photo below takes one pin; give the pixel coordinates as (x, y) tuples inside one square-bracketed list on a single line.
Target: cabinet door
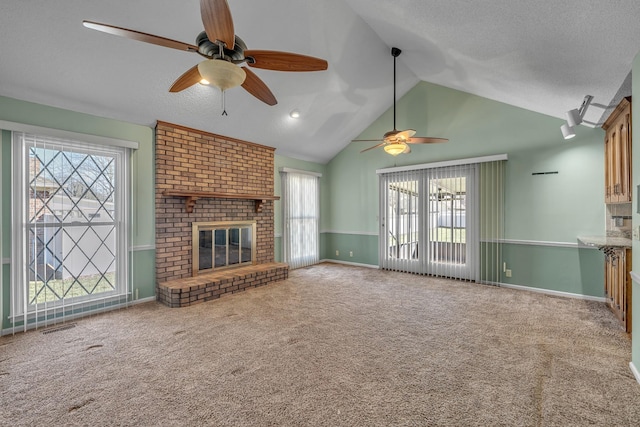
[(608, 279), (618, 154), (608, 166), (620, 291), (625, 159), (617, 164)]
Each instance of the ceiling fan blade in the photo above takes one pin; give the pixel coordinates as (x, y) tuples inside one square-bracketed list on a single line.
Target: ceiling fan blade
[(188, 79), (258, 88), (371, 148), (217, 20), (405, 135), (407, 149), (425, 140), (284, 61), (140, 36)]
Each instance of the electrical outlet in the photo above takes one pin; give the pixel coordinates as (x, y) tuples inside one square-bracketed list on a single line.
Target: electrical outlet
[(508, 273), (337, 253), (350, 253)]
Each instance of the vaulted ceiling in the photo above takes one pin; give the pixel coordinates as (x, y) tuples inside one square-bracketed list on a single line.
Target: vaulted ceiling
[(544, 56)]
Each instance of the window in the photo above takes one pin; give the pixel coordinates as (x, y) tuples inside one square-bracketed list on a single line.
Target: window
[(70, 221), (301, 213)]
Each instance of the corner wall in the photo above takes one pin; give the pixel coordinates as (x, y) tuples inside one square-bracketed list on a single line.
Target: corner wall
[(142, 251), (540, 210), (325, 202)]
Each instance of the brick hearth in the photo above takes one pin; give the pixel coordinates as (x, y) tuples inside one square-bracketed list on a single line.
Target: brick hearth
[(205, 287), (193, 160)]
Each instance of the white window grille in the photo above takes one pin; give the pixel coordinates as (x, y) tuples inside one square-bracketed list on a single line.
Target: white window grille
[(70, 228)]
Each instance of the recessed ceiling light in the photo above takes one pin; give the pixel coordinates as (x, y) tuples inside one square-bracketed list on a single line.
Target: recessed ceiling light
[(294, 114)]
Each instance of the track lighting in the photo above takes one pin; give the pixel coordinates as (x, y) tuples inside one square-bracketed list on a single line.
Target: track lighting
[(567, 131), (574, 118)]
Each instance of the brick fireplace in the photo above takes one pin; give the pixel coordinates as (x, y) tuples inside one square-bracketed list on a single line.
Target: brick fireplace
[(203, 177)]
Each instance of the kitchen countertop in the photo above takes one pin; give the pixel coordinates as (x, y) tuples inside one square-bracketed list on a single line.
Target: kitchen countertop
[(605, 241)]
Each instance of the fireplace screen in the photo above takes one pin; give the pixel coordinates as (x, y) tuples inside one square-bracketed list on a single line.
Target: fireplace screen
[(218, 245)]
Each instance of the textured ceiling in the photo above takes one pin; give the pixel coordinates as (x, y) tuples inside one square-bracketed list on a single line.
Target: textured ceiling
[(544, 56)]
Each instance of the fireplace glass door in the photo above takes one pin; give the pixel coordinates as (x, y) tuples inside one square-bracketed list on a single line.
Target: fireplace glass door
[(223, 245)]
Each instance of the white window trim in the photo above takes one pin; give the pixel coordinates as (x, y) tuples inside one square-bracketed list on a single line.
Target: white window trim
[(458, 162), (19, 308), (63, 134), (290, 170)]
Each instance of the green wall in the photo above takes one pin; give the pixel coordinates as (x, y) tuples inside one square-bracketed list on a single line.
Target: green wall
[(539, 209), (143, 224), (635, 220), (288, 162)]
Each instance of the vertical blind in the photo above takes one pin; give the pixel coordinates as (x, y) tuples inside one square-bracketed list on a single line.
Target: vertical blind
[(301, 214), (443, 219), (492, 223), (70, 229)]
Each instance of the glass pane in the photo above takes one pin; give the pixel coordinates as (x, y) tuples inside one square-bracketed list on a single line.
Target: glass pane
[(234, 246), (68, 256), (221, 248), (246, 244), (447, 219), (205, 250), (403, 225)]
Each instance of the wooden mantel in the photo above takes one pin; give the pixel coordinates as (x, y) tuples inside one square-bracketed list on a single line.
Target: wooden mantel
[(192, 196)]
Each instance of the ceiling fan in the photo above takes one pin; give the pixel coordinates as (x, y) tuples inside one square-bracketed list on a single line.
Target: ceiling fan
[(224, 52), (397, 141)]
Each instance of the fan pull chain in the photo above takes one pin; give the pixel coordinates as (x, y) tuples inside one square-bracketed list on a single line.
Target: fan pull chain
[(224, 108)]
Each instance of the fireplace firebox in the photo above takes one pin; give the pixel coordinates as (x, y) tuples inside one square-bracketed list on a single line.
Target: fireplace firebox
[(223, 244)]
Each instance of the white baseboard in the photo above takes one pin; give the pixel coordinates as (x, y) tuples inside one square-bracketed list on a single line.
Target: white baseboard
[(548, 291), (142, 300), (634, 371), (356, 264), (499, 284)]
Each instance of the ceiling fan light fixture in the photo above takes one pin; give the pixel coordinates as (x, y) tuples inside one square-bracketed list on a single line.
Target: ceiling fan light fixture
[(204, 82), (567, 131), (395, 148), (221, 73)]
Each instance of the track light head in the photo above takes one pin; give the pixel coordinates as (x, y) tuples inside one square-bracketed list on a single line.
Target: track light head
[(573, 118), (567, 131)]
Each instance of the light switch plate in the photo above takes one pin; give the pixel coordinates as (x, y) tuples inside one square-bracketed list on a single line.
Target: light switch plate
[(636, 233)]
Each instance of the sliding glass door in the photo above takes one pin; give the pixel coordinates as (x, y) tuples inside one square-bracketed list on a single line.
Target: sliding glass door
[(452, 245), (429, 221), (401, 215)]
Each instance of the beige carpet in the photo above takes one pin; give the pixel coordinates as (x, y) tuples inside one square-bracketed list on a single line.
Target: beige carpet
[(331, 346)]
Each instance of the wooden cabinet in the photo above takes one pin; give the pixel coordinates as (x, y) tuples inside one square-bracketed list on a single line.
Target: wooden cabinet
[(618, 283), (617, 154)]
